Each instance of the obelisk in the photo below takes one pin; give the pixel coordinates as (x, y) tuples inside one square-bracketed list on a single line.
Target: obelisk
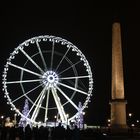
[(118, 102)]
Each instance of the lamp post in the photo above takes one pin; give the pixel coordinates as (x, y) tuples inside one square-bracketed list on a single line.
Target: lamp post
[(55, 117), (130, 115), (15, 119), (83, 120), (2, 117), (67, 119), (108, 122), (138, 123), (130, 119), (46, 122), (2, 120)]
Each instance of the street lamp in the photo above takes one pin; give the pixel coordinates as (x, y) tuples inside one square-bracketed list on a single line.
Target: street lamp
[(84, 120), (67, 119), (108, 122), (15, 119), (2, 117), (132, 125), (84, 113), (130, 115), (55, 117), (137, 123), (2, 120), (130, 119)]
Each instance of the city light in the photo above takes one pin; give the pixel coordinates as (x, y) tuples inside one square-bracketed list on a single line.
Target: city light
[(84, 113), (130, 114), (2, 117), (132, 125), (108, 120)]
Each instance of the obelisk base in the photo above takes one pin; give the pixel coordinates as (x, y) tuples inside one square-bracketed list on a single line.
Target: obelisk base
[(118, 116)]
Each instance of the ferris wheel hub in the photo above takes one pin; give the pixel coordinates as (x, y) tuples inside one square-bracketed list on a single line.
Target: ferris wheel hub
[(50, 79)]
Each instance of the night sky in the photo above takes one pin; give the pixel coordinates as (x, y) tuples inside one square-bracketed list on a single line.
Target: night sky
[(88, 26)]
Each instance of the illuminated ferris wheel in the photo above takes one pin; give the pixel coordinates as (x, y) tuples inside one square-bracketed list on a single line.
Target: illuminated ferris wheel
[(53, 74)]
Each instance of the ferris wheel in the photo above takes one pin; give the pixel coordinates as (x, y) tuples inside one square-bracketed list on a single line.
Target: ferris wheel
[(53, 74)]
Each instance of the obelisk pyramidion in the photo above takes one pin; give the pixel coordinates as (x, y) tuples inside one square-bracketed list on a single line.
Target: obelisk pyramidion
[(118, 102)]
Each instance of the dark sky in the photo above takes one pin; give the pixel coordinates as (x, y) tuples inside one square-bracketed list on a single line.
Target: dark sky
[(87, 25)]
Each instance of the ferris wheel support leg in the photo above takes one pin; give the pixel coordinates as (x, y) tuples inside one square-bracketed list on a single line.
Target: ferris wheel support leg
[(74, 105), (60, 108), (41, 54), (36, 111), (47, 101)]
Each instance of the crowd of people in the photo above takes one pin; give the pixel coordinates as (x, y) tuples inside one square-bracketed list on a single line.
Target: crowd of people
[(42, 133)]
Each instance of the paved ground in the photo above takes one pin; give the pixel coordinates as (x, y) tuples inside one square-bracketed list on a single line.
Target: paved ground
[(123, 138), (102, 137), (113, 138)]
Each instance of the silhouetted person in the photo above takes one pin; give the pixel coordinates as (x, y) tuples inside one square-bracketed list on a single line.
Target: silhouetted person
[(12, 133), (35, 133), (3, 133), (20, 133), (28, 133), (130, 131), (76, 133), (46, 133), (68, 133), (59, 133), (43, 133)]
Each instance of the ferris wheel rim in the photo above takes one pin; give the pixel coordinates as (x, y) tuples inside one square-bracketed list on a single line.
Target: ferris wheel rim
[(45, 38)]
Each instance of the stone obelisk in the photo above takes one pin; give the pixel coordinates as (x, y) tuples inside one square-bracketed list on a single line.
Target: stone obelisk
[(118, 102)]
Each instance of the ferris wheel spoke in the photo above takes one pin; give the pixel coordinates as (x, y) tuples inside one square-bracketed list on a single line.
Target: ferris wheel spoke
[(35, 64), (47, 102), (52, 55), (23, 81), (72, 88), (38, 105), (73, 84), (34, 103), (21, 68), (42, 57), (62, 59), (26, 93), (76, 77), (67, 98), (60, 108), (70, 67)]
